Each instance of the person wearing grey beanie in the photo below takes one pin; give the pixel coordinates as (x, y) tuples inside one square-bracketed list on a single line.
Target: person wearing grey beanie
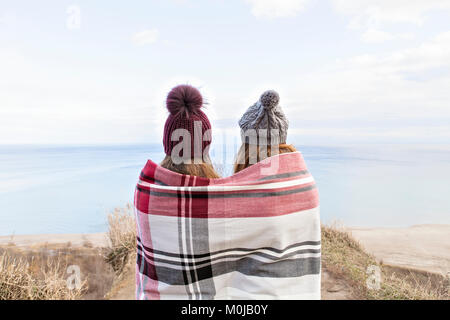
[(264, 129)]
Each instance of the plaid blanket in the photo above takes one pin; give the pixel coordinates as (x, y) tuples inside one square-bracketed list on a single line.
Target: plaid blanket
[(254, 235)]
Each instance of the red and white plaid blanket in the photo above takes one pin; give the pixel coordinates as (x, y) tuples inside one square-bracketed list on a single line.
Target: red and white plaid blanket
[(254, 235)]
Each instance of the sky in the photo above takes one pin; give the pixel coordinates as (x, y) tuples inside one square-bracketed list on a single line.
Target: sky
[(348, 71)]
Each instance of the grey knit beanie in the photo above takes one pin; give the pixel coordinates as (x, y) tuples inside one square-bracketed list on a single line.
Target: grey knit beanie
[(265, 117)]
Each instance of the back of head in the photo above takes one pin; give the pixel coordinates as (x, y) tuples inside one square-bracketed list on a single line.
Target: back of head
[(264, 129), (187, 134)]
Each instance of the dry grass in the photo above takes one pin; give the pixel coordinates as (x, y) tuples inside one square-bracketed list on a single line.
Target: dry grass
[(407, 284), (122, 237), (22, 280), (345, 258), (39, 272), (97, 275)]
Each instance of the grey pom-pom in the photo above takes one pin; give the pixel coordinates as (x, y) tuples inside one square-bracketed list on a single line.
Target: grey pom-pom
[(270, 99)]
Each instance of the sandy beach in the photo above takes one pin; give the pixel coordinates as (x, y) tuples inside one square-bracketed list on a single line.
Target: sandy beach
[(423, 247), (77, 240)]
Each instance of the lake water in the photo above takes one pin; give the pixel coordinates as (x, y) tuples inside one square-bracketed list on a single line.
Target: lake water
[(47, 189)]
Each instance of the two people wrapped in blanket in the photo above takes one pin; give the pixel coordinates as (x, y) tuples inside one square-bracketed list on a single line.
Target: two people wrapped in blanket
[(253, 235)]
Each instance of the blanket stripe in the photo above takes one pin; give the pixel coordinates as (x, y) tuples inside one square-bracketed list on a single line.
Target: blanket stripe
[(240, 237)]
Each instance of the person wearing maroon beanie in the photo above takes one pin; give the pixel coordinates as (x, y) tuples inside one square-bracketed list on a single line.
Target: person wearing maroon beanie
[(187, 134)]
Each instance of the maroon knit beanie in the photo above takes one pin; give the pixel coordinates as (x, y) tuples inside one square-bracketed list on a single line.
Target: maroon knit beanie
[(184, 103)]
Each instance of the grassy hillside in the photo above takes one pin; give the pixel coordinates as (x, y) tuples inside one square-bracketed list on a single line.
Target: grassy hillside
[(345, 258), (40, 273)]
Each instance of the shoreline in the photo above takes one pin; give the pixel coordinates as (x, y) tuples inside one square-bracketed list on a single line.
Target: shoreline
[(420, 247), (97, 240)]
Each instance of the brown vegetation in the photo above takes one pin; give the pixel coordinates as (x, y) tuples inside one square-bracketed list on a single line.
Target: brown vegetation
[(122, 238), (345, 258), (21, 279)]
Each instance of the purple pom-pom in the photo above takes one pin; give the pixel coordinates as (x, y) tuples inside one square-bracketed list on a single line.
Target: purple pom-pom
[(184, 99)]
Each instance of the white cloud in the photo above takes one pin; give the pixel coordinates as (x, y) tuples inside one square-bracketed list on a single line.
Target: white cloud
[(393, 96), (61, 108), (378, 36), (370, 13), (276, 8), (372, 16), (7, 19), (431, 54), (378, 86), (145, 37)]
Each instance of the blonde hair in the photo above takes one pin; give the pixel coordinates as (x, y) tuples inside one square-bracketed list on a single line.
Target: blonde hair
[(244, 156), (203, 169)]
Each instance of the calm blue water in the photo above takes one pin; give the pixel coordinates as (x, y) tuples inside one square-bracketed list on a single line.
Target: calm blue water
[(72, 189)]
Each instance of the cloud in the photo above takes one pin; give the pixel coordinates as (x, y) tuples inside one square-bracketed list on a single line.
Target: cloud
[(430, 54), (369, 13), (379, 86), (378, 36), (60, 108), (145, 37), (7, 19), (276, 8), (371, 16), (393, 96)]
